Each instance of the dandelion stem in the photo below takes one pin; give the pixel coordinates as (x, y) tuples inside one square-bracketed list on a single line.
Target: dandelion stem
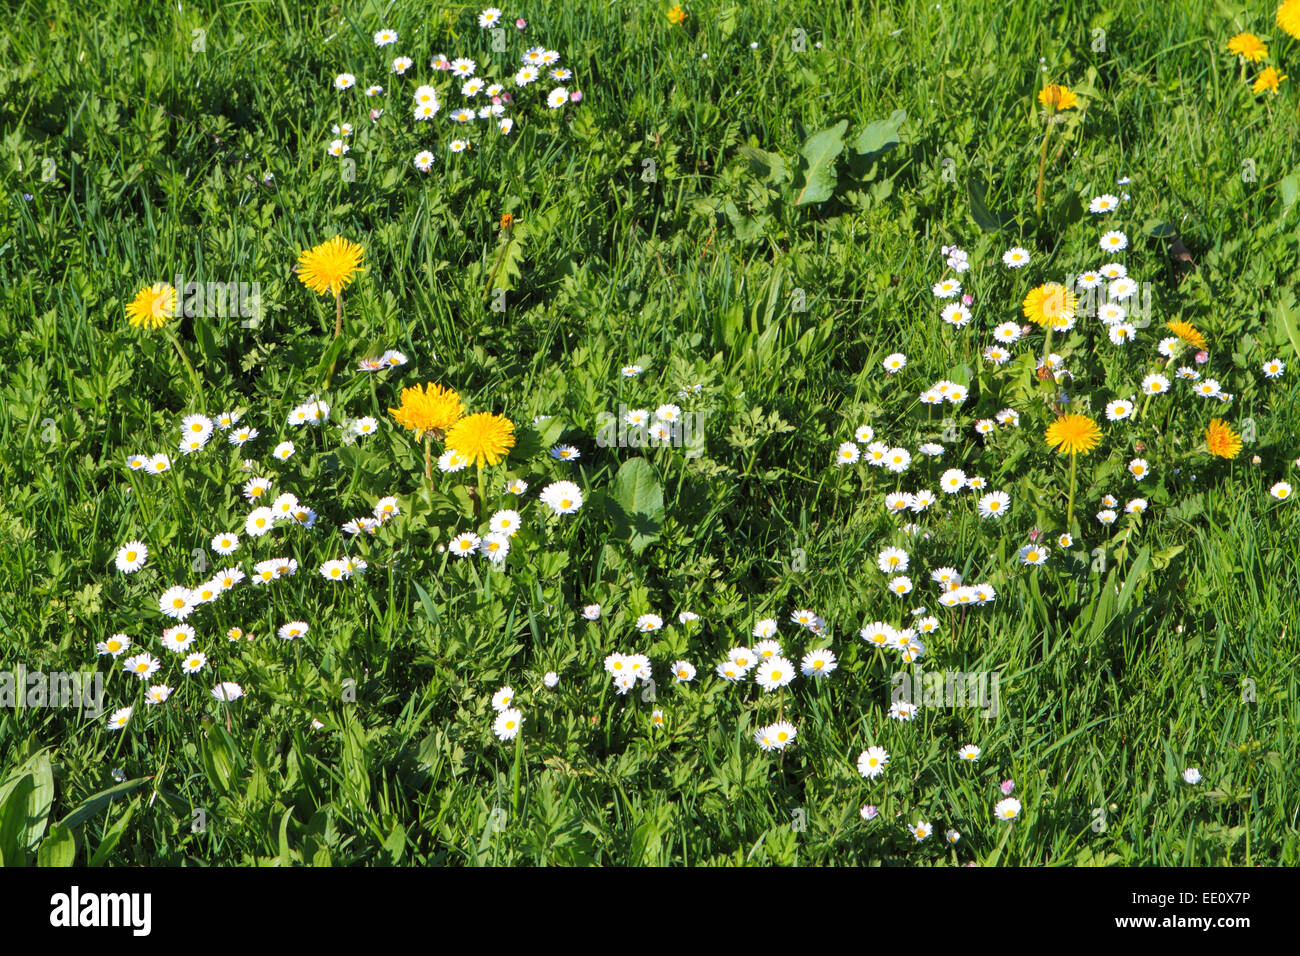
[(428, 460), (338, 330), (1069, 510), (1042, 170), (194, 376)]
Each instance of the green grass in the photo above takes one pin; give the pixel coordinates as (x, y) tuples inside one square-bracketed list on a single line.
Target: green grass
[(655, 226)]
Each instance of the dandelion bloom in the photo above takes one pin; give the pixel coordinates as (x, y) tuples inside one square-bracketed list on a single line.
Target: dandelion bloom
[(1222, 441), (484, 438), (1187, 332), (330, 266), (1057, 97), (1248, 46), (1050, 304), (153, 306), (677, 15), (1073, 434), (428, 408), (1268, 80), (1288, 17)]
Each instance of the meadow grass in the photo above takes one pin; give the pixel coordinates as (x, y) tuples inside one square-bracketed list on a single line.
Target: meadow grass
[(658, 224)]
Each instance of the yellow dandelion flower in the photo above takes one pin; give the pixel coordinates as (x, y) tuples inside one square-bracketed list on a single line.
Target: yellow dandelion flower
[(1288, 17), (1050, 304), (428, 408), (1057, 97), (329, 267), (676, 14), (1073, 434), (1248, 47), (483, 438), (153, 306), (1221, 440), (1187, 332), (1268, 80)]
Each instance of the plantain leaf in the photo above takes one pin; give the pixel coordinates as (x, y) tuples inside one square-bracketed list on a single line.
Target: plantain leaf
[(820, 152), (979, 210), (59, 848), (636, 504), (880, 136)]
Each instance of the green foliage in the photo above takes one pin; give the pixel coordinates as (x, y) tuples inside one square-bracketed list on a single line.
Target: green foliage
[(764, 224)]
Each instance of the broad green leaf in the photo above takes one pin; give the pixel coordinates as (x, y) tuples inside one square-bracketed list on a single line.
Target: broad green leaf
[(1289, 188), (770, 167), (14, 812), (880, 136), (113, 835), (218, 756), (979, 210), (820, 152), (426, 602), (97, 802), (636, 504), (1286, 317), (59, 848)]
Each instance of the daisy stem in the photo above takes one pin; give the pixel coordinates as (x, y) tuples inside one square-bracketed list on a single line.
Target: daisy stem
[(1042, 169), (517, 772), (194, 376), (144, 507)]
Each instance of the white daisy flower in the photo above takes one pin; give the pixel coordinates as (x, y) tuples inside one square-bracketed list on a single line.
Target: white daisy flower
[(994, 505), (463, 545), (131, 557), (1113, 241), (872, 761), (562, 497), (1015, 258)]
